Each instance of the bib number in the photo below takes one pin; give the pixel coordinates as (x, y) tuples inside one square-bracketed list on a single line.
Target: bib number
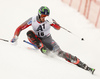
[(40, 30), (40, 33)]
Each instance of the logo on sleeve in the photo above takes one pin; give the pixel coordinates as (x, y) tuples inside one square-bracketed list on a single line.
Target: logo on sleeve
[(30, 22)]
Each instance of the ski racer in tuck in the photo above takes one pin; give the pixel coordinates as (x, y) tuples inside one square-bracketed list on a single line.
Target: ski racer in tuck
[(40, 36)]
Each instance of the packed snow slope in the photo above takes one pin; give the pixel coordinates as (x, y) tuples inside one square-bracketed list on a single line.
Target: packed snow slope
[(19, 62)]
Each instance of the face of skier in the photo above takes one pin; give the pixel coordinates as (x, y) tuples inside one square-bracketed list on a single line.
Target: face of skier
[(42, 18)]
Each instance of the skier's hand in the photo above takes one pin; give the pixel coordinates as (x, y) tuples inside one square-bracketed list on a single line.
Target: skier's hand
[(50, 20), (14, 39), (55, 22)]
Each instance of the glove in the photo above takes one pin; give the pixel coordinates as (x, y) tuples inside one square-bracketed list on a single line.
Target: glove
[(14, 39), (50, 20)]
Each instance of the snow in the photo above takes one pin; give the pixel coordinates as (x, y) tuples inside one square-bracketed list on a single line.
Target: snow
[(19, 62)]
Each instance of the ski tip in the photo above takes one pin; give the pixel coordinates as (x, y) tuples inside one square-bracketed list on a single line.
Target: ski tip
[(93, 71)]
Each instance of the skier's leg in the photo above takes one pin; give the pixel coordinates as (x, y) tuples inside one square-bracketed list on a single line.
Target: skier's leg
[(73, 59), (36, 41), (53, 46), (48, 44)]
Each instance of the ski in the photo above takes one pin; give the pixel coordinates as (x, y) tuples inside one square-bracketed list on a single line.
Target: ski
[(91, 70)]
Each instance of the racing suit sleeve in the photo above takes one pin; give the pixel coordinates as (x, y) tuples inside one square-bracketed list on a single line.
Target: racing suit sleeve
[(23, 26)]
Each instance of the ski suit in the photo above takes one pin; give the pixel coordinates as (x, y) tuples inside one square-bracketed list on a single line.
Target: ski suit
[(42, 31), (40, 35)]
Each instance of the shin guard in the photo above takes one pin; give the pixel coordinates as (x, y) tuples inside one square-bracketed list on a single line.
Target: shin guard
[(37, 42)]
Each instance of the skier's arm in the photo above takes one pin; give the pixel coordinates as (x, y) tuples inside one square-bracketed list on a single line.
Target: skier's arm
[(24, 25)]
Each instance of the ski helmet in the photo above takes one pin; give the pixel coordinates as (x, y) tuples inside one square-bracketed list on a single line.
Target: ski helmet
[(43, 10)]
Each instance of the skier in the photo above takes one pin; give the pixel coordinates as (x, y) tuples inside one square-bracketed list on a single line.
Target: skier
[(40, 37)]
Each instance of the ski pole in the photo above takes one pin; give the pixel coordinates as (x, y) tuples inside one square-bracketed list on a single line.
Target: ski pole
[(30, 43), (4, 40), (72, 33)]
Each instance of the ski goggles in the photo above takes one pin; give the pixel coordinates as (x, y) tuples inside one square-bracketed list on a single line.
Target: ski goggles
[(43, 16)]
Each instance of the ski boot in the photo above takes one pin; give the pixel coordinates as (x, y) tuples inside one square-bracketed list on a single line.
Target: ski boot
[(91, 70), (44, 50), (84, 66)]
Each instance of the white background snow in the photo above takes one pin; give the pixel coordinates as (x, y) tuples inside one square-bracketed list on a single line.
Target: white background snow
[(18, 62)]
